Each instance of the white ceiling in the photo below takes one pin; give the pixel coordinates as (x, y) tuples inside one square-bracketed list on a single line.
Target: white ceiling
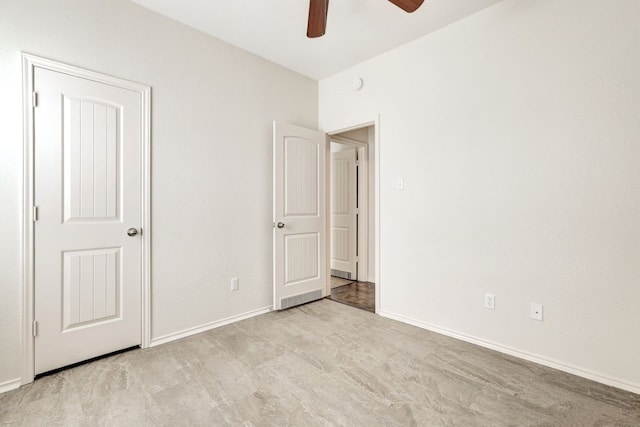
[(276, 29)]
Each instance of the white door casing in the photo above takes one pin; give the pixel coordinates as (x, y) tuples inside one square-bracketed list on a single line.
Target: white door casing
[(89, 165), (299, 217), (343, 205)]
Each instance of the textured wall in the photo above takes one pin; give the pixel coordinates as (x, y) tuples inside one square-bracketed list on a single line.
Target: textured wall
[(212, 112), (517, 132)]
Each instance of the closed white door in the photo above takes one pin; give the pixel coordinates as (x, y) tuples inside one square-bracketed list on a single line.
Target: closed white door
[(88, 142), (344, 223), (299, 233)]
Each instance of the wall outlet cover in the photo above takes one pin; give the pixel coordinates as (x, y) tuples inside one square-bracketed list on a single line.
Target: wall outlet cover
[(490, 301), (536, 311)]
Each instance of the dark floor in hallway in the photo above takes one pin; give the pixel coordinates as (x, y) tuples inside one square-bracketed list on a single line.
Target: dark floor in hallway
[(356, 294)]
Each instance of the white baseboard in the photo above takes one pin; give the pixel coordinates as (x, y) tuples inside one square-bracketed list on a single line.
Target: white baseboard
[(207, 327), (561, 366), (9, 385)]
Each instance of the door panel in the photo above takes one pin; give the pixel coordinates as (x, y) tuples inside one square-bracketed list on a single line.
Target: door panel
[(88, 189), (301, 253), (90, 159), (90, 287), (344, 226), (299, 163), (301, 177)]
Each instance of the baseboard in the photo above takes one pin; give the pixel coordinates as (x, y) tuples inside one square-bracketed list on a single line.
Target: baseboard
[(208, 326), (561, 366), (9, 385)]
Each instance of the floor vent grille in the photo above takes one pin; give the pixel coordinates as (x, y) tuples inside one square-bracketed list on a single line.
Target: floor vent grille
[(341, 274), (300, 299)]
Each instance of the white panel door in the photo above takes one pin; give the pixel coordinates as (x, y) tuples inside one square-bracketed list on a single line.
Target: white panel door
[(343, 205), (88, 143), (299, 233)]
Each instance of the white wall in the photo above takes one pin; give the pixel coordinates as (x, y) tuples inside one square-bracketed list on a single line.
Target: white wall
[(360, 134), (212, 108), (517, 131), (337, 147)]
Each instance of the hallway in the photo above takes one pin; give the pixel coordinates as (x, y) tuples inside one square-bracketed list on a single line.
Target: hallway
[(361, 295)]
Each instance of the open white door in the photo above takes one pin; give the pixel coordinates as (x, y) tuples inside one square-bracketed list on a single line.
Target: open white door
[(344, 223), (299, 215)]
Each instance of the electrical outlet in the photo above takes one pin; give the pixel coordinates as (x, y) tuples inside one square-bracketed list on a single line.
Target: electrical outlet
[(234, 284), (536, 311), (400, 184), (490, 301)]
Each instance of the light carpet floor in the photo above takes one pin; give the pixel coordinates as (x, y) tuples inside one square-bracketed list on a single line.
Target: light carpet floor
[(324, 363)]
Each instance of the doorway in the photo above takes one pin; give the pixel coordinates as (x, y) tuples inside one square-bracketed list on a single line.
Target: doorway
[(351, 218), (301, 216), (86, 215)]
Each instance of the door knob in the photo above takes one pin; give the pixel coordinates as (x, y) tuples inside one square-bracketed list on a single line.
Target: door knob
[(132, 232), (281, 225)]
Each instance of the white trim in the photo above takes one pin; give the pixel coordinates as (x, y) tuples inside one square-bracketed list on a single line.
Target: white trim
[(146, 216), (377, 218), (208, 326), (551, 363), (9, 385), (364, 214), (27, 369), (376, 214), (29, 62)]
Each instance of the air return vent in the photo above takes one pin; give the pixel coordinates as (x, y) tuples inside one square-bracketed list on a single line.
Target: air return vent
[(300, 299), (341, 274)]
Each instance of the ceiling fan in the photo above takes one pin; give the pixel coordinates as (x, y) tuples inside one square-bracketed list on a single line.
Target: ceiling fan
[(318, 14)]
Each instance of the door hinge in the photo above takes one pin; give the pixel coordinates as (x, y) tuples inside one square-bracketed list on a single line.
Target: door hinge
[(357, 259), (357, 162), (34, 101), (35, 213), (357, 211), (34, 328)]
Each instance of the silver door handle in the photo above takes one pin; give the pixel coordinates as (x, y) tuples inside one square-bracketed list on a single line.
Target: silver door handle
[(132, 232), (281, 225)]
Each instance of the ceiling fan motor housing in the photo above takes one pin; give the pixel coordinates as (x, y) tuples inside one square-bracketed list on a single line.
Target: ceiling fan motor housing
[(318, 9)]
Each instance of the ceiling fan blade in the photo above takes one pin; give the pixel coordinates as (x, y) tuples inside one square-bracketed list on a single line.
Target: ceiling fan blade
[(408, 5), (317, 18)]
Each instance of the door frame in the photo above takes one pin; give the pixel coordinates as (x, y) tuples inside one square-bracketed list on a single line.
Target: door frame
[(362, 231), (348, 126), (29, 63)]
